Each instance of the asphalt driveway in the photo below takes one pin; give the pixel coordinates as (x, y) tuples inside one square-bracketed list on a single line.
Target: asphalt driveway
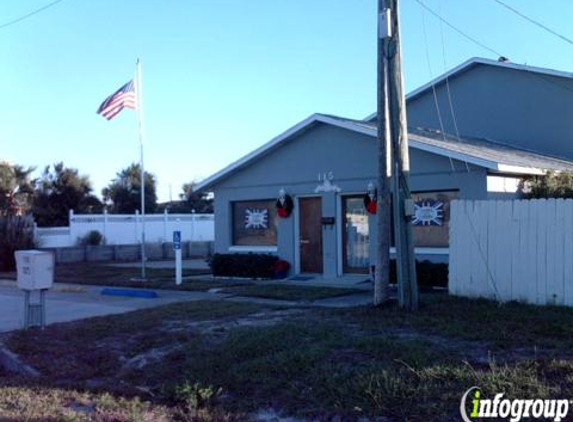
[(68, 303)]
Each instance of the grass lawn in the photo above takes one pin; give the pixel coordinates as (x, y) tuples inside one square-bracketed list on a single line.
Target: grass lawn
[(107, 275), (159, 278), (221, 361), (289, 292)]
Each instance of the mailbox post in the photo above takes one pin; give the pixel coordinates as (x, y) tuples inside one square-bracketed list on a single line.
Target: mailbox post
[(35, 273), (177, 249)]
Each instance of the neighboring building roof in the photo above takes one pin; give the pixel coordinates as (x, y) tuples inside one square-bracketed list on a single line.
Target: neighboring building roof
[(484, 153), (474, 61)]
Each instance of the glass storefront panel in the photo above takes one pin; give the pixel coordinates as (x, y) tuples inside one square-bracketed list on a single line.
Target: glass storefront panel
[(431, 225), (356, 235)]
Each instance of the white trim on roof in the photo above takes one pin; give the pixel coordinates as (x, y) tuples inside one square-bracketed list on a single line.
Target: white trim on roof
[(472, 62), (356, 127), (299, 127), (506, 168)]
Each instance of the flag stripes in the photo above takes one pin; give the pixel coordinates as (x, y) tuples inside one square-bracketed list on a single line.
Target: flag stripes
[(124, 97)]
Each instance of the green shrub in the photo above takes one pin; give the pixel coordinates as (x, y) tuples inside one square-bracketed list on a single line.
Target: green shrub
[(429, 274), (93, 238), (248, 265), (16, 233)]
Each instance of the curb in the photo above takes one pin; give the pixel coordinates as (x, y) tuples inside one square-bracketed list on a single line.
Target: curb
[(11, 363)]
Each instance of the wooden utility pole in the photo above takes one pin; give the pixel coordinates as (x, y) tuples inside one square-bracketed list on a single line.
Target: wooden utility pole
[(382, 262), (400, 167)]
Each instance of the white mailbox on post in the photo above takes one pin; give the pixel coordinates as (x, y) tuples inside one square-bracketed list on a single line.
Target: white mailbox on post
[(35, 272), (35, 269)]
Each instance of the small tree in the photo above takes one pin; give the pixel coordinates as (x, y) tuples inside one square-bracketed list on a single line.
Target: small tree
[(190, 200), (124, 192), (16, 189), (549, 185), (92, 238), (198, 201), (16, 232), (60, 190)]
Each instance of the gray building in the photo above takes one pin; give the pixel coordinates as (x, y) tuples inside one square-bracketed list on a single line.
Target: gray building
[(474, 133)]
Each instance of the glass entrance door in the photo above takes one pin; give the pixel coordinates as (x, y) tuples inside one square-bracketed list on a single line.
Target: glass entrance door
[(356, 235)]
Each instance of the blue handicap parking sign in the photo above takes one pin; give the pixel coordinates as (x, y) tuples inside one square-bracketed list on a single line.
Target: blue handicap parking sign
[(177, 239)]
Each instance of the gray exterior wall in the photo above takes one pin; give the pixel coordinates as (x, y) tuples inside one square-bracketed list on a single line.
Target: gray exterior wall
[(351, 157), (524, 109)]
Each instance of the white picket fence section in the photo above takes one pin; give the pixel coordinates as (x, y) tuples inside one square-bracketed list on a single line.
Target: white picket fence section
[(512, 250), (125, 229)]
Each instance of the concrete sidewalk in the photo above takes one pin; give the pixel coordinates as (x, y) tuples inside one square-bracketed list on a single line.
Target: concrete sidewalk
[(72, 302)]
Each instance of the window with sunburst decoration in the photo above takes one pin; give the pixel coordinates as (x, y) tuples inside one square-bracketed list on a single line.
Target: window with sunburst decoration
[(431, 218), (254, 223)]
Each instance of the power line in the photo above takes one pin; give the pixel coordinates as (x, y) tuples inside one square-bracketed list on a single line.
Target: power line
[(534, 22), (459, 31), (434, 93), (21, 18), (452, 112), (437, 15)]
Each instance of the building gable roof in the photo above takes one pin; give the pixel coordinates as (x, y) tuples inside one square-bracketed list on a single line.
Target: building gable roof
[(471, 63), (480, 152)]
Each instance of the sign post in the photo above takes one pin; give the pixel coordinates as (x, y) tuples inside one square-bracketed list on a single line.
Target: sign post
[(177, 249)]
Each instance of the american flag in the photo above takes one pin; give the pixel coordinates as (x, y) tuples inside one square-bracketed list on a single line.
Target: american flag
[(123, 97)]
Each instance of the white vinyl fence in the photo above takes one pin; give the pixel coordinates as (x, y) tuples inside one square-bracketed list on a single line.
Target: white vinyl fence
[(512, 250), (125, 229)]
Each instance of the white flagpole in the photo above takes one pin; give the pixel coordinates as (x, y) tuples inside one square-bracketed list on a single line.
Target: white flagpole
[(140, 127)]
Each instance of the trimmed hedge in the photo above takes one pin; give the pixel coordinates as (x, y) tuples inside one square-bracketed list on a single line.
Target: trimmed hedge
[(249, 265), (253, 265), (429, 274)]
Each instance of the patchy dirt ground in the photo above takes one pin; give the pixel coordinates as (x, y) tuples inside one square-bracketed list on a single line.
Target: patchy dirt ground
[(221, 361)]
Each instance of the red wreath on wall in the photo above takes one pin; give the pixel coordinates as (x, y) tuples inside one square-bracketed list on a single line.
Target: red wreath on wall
[(370, 201), (284, 206)]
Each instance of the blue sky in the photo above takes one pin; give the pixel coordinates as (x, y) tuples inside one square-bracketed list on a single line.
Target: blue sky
[(221, 77)]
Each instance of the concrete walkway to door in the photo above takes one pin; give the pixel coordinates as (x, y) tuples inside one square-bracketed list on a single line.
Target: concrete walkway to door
[(355, 281)]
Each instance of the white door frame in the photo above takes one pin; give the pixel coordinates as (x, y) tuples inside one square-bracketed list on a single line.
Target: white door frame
[(341, 223)]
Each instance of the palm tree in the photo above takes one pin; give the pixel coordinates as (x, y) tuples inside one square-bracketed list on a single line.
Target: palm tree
[(16, 188)]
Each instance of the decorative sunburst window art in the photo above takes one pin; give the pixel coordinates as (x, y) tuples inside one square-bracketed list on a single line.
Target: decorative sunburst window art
[(256, 218), (428, 213)]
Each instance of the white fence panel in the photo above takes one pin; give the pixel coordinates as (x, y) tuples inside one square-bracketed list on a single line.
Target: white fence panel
[(513, 250), (125, 229), (53, 237)]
